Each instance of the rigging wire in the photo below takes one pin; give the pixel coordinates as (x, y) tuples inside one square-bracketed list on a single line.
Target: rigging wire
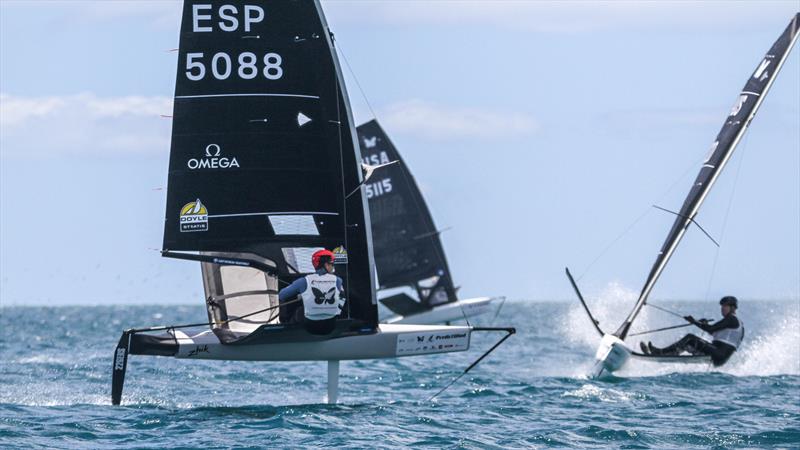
[(727, 213), (355, 78), (660, 329), (613, 242), (497, 312), (463, 313), (339, 100), (664, 309), (210, 324), (666, 328), (669, 328), (640, 217), (338, 47), (439, 254)]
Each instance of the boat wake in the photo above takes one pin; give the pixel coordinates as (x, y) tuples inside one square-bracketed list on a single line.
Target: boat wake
[(609, 308), (608, 395), (773, 353), (765, 351)]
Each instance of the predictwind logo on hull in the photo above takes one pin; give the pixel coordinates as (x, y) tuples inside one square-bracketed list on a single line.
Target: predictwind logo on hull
[(194, 217)]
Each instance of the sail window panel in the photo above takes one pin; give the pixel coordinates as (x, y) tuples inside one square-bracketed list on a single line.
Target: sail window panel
[(300, 258), (236, 279), (302, 225)]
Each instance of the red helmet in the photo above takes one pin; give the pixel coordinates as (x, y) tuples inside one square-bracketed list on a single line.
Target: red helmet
[(318, 255)]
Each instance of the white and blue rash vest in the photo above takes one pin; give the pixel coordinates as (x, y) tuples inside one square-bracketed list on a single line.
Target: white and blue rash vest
[(730, 336), (321, 299)]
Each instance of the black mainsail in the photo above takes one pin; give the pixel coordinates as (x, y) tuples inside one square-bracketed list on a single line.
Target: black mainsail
[(733, 129), (408, 250), (263, 152), (265, 168)]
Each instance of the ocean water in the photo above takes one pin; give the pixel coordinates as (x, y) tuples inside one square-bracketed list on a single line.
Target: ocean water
[(532, 392)]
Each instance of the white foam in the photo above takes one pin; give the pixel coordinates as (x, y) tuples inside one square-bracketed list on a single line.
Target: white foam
[(610, 395), (42, 359), (610, 308), (774, 353)]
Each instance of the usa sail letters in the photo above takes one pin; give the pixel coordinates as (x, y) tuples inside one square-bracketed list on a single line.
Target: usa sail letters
[(383, 186)]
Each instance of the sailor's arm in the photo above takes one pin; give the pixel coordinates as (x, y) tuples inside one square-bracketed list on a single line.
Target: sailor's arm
[(293, 290), (727, 322), (339, 286)]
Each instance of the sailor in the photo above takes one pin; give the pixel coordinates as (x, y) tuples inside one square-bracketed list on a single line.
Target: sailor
[(321, 295), (727, 333)]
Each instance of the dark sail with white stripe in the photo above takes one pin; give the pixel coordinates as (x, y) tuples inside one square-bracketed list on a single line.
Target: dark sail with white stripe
[(408, 251), (264, 149), (265, 169), (735, 125)]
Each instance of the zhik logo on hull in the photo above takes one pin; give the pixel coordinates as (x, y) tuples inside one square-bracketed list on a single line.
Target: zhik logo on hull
[(212, 160), (194, 217)]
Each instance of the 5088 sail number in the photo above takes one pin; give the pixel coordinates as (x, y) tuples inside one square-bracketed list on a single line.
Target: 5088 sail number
[(221, 66)]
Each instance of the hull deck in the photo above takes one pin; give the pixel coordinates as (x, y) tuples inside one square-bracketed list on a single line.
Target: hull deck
[(681, 359), (388, 341)]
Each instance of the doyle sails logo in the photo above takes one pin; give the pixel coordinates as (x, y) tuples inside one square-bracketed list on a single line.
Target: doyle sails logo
[(194, 216), (340, 255), (212, 160)]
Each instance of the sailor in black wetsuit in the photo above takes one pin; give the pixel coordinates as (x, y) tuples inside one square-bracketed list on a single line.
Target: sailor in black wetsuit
[(727, 333)]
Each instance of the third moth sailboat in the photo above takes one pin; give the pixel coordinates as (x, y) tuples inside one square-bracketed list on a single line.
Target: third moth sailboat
[(613, 353)]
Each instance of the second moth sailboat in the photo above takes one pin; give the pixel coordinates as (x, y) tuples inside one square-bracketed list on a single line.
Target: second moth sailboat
[(408, 248)]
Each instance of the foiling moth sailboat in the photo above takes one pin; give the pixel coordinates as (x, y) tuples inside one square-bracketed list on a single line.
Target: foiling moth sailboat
[(408, 248), (613, 353), (263, 153)]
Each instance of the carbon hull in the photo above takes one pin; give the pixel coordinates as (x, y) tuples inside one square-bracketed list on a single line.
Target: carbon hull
[(388, 341)]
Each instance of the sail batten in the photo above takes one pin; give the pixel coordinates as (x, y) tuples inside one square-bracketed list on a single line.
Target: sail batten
[(408, 247), (742, 113)]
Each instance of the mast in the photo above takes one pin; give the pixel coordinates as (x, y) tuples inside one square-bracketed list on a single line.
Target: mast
[(359, 226), (733, 129)]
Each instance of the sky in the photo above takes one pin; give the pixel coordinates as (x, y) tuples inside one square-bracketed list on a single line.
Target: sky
[(541, 132)]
